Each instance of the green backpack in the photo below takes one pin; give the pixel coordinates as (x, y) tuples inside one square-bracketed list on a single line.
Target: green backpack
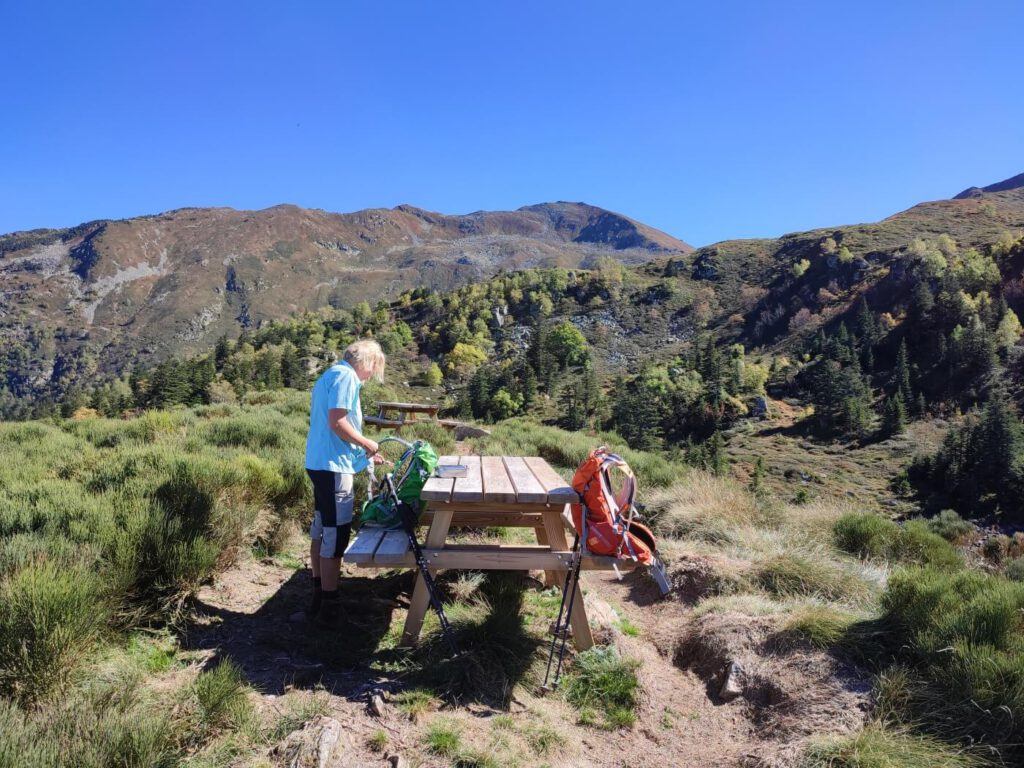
[(410, 474)]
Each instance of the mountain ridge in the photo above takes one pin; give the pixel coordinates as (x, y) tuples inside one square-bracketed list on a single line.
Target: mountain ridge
[(1014, 182)]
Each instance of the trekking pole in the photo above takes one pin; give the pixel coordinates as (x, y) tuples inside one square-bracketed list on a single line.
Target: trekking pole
[(409, 523), (562, 630)]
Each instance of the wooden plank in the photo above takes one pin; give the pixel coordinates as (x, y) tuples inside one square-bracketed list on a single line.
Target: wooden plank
[(393, 549), (489, 519), (408, 407), (503, 557), (498, 486), (550, 577), (470, 487), (364, 545), (559, 491), (377, 421), (581, 634), (439, 488), (528, 488), (436, 535)]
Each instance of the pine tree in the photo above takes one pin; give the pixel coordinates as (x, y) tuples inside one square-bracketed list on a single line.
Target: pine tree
[(867, 325), (293, 372), (894, 415), (539, 355), (901, 374), (221, 352), (572, 414), (718, 459), (757, 477)]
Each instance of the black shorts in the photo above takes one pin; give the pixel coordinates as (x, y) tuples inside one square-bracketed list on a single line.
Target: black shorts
[(333, 504)]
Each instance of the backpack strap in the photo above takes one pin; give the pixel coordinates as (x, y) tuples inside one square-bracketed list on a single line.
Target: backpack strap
[(623, 502)]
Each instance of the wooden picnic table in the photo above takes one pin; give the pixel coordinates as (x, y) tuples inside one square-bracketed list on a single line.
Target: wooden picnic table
[(498, 491), (396, 415)]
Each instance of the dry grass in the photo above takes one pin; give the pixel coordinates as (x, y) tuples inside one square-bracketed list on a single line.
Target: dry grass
[(703, 507)]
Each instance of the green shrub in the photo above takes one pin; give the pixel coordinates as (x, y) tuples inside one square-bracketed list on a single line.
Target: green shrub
[(600, 680), (950, 526), (995, 548), (872, 536), (917, 544), (221, 697), (249, 431), (96, 727), (1015, 569), (377, 741), (865, 534), (50, 616)]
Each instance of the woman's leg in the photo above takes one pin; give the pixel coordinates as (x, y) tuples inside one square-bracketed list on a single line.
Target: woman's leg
[(337, 529)]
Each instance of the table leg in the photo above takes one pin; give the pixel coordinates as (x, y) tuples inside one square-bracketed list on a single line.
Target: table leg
[(436, 535), (551, 578), (582, 636)]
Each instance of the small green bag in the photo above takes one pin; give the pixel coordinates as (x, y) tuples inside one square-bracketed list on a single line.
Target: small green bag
[(410, 474)]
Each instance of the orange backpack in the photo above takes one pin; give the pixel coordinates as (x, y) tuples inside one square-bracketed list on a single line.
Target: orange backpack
[(608, 526)]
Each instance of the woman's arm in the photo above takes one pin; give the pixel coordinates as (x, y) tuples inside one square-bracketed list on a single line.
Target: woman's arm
[(337, 420)]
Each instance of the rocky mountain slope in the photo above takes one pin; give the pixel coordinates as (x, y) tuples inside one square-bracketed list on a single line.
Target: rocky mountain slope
[(108, 292)]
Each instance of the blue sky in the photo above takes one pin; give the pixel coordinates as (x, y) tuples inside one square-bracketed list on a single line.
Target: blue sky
[(708, 120)]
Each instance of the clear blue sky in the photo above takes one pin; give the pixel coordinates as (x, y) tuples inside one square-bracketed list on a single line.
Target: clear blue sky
[(709, 120)]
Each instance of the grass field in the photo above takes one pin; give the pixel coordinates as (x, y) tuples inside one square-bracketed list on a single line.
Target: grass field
[(108, 527)]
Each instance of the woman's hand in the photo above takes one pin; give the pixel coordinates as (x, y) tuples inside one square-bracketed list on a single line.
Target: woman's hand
[(370, 447)]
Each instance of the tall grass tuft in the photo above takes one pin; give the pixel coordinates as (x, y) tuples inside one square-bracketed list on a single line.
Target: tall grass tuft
[(964, 631), (796, 575), (602, 681), (221, 697), (879, 747), (50, 617)]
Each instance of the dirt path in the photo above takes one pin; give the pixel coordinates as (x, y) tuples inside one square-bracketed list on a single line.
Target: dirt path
[(680, 721)]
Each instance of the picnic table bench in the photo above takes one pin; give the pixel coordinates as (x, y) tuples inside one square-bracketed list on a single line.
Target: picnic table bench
[(396, 415), (498, 491)]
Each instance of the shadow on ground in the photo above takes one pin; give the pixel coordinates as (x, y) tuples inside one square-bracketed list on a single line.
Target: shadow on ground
[(497, 649), (275, 653)]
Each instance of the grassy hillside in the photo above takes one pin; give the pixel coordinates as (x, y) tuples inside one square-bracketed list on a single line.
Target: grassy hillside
[(109, 529)]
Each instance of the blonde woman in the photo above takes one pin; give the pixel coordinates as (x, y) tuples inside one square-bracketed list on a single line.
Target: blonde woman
[(335, 451)]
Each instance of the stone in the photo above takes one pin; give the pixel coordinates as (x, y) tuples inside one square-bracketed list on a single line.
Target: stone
[(310, 747), (466, 431), (731, 686), (377, 707)]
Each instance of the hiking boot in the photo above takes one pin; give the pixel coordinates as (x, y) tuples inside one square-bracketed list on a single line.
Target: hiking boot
[(315, 601), (330, 614)]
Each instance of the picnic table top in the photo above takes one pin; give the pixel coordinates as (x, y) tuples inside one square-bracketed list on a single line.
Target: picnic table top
[(412, 407), (500, 480)]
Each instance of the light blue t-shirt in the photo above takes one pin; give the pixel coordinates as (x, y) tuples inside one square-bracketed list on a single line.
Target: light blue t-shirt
[(337, 387)]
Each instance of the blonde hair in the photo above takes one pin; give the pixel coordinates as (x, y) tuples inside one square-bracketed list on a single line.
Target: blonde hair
[(366, 355)]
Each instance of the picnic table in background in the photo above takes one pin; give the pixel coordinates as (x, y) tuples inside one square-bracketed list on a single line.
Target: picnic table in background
[(498, 491), (397, 415)]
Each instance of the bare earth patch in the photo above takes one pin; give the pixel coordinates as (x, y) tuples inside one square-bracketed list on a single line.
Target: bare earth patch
[(681, 719)]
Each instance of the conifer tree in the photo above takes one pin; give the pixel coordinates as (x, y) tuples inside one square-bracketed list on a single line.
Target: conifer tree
[(901, 374), (757, 477), (718, 459), (894, 415)]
